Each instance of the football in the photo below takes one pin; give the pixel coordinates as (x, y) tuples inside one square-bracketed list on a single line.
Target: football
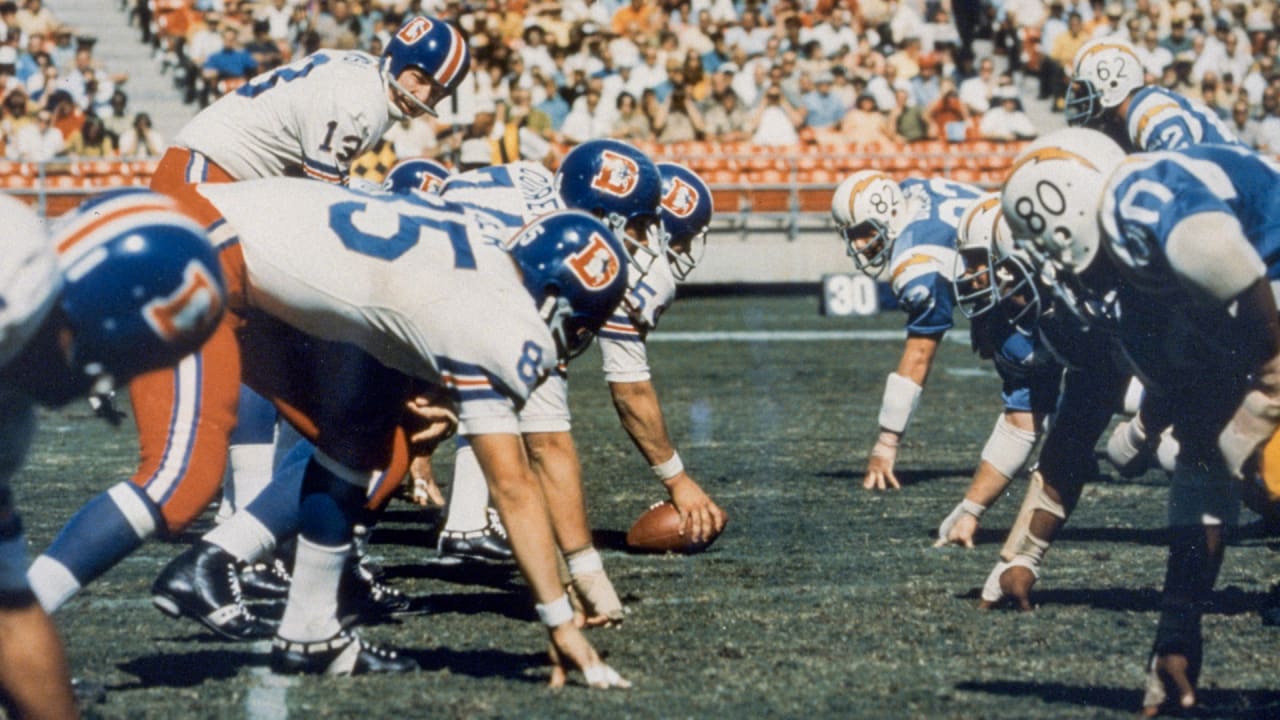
[(658, 530)]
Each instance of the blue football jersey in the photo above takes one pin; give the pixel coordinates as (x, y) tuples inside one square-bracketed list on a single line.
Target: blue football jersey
[(1151, 193), (1161, 119), (924, 252)]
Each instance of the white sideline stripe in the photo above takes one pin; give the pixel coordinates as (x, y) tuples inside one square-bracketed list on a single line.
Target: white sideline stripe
[(959, 336), (268, 694)]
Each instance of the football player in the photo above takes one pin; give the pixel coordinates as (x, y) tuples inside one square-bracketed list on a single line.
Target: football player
[(409, 281), (311, 118), (594, 176), (1197, 318), (1108, 92), (105, 299), (574, 269), (986, 272), (909, 228)]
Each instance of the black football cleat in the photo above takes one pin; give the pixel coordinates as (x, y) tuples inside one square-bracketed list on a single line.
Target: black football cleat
[(267, 579), (362, 596), (477, 545), (203, 584), (343, 654)]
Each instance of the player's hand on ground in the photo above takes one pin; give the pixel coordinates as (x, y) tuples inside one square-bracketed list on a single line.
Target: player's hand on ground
[(700, 518), (880, 465), (1008, 582), (880, 474), (959, 531), (570, 650), (1168, 678), (423, 490)]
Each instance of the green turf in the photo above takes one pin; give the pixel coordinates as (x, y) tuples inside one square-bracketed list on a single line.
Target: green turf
[(820, 600)]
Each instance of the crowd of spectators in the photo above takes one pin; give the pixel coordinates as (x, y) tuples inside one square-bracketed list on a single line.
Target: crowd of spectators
[(775, 73), (56, 99)]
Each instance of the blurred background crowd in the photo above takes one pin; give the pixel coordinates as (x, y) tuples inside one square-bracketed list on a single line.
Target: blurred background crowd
[(547, 74)]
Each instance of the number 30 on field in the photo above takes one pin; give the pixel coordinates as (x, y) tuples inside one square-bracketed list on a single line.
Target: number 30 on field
[(849, 294)]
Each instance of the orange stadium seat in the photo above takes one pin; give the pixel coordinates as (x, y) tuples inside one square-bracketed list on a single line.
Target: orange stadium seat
[(727, 199), (769, 191)]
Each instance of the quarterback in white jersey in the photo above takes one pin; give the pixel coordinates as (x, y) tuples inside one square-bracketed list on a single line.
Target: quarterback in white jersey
[(313, 117), (410, 281)]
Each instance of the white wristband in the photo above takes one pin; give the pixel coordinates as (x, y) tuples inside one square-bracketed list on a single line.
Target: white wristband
[(669, 469), (555, 613), (901, 396), (970, 507)]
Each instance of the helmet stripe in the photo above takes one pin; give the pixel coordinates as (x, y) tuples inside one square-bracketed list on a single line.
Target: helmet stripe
[(65, 245), (1049, 153), (1119, 47), (978, 209), (452, 64), (863, 184)]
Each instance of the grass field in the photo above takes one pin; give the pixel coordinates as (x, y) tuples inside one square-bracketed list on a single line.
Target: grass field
[(820, 600)]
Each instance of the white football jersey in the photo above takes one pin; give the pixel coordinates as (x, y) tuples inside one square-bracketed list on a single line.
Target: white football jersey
[(29, 276), (622, 337), (521, 191), (515, 194), (417, 283), (310, 118)]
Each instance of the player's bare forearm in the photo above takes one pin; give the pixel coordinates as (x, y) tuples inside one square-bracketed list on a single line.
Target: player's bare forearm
[(523, 509), (641, 415), (917, 357)]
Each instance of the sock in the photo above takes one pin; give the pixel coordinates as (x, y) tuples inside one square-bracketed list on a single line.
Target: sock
[(243, 536), (251, 453), (105, 531), (311, 613), (469, 494)]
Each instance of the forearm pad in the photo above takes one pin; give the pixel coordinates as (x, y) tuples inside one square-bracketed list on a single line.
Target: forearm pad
[(901, 396)]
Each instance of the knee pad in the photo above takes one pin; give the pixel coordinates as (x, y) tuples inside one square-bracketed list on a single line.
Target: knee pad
[(1020, 541)]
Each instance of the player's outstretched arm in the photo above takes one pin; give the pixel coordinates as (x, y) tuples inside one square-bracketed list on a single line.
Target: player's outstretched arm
[(523, 509), (901, 396), (641, 415)]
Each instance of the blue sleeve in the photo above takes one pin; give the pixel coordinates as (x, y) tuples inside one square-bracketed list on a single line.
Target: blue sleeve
[(1170, 134), (1150, 204), (928, 302)]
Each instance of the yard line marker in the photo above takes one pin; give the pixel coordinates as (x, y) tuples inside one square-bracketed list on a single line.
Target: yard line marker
[(958, 336), (268, 694)]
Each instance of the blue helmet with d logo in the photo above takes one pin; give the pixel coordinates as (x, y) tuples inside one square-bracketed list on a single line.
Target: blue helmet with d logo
[(421, 174), (142, 284), (433, 46), (686, 213), (573, 267), (616, 182)]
